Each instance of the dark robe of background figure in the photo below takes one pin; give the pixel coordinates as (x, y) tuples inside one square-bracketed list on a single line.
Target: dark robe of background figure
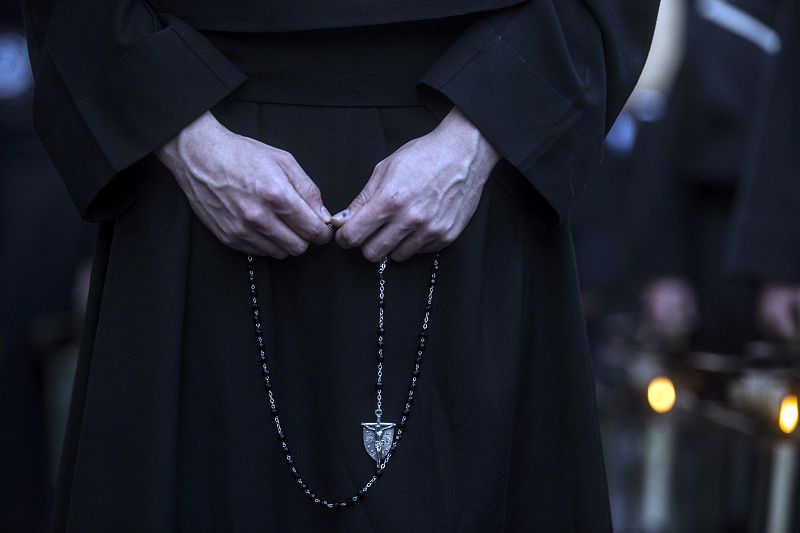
[(603, 237), (687, 168), (765, 239)]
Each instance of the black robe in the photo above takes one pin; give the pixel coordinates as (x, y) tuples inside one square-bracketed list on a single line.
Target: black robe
[(765, 245), (169, 427)]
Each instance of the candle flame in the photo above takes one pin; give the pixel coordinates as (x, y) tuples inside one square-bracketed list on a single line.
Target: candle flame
[(787, 420), (661, 394)]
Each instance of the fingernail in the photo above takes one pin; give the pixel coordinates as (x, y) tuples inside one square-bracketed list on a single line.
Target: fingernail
[(341, 215), (325, 213)]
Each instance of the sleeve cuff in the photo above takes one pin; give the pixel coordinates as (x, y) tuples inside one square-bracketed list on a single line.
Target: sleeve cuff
[(543, 134), (149, 95)]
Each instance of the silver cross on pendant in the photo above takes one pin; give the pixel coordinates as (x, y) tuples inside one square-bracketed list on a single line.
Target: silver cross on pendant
[(378, 437)]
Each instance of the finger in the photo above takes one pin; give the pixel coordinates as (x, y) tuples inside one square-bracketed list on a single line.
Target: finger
[(338, 220), (383, 241), (410, 246), (305, 188), (363, 223), (298, 215), (284, 237)]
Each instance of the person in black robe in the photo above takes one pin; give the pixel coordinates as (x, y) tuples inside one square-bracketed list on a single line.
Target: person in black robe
[(765, 243), (170, 426), (42, 244), (687, 169)]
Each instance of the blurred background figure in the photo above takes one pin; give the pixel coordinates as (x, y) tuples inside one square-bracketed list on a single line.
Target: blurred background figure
[(765, 247), (686, 171), (43, 246), (601, 216), (691, 399), (651, 226)]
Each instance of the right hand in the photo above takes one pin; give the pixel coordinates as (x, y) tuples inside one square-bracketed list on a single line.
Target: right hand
[(253, 197)]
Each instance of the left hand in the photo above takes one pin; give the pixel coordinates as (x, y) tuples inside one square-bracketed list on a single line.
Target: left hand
[(670, 306), (420, 198), (779, 310)]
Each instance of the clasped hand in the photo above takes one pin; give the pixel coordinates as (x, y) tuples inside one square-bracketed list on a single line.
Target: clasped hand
[(257, 199)]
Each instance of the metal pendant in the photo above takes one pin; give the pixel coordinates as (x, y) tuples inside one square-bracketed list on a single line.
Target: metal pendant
[(378, 438)]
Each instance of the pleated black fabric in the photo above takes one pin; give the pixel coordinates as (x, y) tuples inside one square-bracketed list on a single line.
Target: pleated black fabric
[(170, 428)]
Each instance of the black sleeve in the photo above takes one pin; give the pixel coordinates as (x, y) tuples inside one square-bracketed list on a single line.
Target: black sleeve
[(766, 239), (543, 81), (113, 82)]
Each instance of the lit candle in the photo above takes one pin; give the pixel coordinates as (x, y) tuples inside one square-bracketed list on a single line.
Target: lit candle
[(659, 455), (784, 466)]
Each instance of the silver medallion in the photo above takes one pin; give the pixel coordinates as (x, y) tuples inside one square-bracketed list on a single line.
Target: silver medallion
[(378, 438)]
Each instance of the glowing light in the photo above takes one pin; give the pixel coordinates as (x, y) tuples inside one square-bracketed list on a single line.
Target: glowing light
[(661, 394), (787, 420)]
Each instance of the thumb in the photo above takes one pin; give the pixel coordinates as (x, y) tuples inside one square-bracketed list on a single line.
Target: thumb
[(345, 214), (361, 198)]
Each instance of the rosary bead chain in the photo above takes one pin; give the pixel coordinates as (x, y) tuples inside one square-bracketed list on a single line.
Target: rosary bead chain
[(272, 403)]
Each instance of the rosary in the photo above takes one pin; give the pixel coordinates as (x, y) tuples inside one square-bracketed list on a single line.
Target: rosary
[(380, 438)]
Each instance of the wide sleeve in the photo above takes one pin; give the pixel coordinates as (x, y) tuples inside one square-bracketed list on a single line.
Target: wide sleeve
[(113, 82), (544, 81)]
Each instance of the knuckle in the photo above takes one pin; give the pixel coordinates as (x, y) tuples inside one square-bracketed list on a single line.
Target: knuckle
[(237, 232), (437, 233), (348, 240), (282, 155), (342, 237), (415, 217), (272, 195), (382, 167), (371, 255), (299, 248), (252, 215), (313, 192), (451, 235), (443, 240), (441, 233), (322, 235), (228, 240), (361, 198), (398, 256), (345, 238)]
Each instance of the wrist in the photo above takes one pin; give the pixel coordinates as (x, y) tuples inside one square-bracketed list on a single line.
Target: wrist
[(177, 151), (457, 126)]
